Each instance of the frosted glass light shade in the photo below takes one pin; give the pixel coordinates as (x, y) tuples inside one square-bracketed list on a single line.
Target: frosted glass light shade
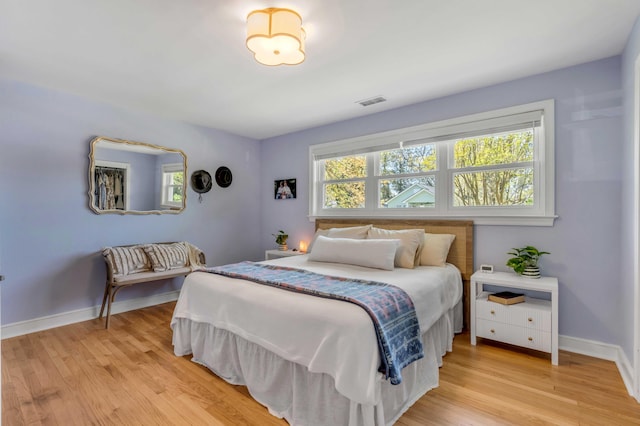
[(275, 36)]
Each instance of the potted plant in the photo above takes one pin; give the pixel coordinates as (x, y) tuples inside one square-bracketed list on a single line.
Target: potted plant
[(281, 239), (525, 261)]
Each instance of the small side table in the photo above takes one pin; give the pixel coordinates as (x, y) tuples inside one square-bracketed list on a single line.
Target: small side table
[(532, 324), (277, 254)]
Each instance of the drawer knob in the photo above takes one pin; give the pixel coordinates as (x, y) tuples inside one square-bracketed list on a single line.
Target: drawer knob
[(530, 319), (492, 331), (531, 339), (493, 312)]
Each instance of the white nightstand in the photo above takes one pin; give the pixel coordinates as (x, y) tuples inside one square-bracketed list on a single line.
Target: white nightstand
[(277, 254), (532, 324)]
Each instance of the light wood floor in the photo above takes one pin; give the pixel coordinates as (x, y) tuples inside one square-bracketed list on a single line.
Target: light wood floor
[(83, 374)]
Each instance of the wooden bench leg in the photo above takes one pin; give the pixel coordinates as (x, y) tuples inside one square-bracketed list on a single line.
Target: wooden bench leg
[(112, 295), (113, 290), (104, 299), (107, 299)]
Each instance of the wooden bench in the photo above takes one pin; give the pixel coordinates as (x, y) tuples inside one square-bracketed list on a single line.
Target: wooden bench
[(140, 263)]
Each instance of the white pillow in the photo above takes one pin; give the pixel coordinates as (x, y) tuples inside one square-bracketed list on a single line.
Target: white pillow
[(410, 241), (323, 232), (355, 232), (378, 254), (436, 249)]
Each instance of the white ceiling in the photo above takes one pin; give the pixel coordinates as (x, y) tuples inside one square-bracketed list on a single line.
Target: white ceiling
[(187, 60)]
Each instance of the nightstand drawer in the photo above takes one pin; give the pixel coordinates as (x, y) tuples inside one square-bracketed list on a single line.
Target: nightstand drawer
[(533, 314), (515, 335)]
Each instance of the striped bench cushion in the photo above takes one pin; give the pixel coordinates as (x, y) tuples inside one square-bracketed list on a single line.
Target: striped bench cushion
[(127, 260), (165, 257)]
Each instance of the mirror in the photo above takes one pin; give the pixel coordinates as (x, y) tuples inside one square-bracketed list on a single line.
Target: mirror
[(127, 177)]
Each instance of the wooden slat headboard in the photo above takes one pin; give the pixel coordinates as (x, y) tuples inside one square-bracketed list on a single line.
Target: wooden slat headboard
[(460, 254)]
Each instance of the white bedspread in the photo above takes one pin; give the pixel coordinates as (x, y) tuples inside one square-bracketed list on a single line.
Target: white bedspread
[(326, 336)]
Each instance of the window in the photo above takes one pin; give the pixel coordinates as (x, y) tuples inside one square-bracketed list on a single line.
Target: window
[(495, 167), (172, 185)]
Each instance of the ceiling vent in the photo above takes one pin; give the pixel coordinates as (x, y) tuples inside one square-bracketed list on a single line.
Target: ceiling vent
[(371, 101)]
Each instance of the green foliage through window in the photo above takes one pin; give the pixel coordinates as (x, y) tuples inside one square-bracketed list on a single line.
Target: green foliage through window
[(494, 187), (345, 168), (178, 180), (344, 195)]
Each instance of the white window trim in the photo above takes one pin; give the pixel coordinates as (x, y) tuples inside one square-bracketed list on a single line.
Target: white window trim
[(170, 168), (544, 215)]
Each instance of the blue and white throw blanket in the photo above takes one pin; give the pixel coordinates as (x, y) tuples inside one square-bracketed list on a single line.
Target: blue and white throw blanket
[(390, 308)]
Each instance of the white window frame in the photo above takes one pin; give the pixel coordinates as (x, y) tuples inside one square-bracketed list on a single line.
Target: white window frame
[(541, 214), (166, 169)]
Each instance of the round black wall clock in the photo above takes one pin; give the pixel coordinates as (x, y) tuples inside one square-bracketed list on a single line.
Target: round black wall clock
[(223, 177)]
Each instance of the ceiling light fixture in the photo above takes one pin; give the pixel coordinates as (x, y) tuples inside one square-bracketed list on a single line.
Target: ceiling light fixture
[(275, 36)]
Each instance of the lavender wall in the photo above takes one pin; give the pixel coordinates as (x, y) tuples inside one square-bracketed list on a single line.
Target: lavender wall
[(629, 57), (50, 239), (585, 241)]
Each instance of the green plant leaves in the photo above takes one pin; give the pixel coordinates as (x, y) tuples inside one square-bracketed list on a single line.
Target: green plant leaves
[(524, 257)]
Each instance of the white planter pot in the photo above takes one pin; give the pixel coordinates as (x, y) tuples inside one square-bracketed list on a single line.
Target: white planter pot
[(531, 272)]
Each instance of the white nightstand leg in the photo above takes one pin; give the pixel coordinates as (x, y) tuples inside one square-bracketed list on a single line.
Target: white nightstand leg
[(474, 291), (554, 327)]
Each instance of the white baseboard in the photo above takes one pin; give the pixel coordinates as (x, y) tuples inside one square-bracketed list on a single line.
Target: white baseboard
[(602, 351), (66, 318)]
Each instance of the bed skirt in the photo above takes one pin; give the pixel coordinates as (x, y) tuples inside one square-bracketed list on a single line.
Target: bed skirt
[(303, 398)]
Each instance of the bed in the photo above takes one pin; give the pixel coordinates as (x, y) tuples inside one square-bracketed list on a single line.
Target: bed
[(315, 361)]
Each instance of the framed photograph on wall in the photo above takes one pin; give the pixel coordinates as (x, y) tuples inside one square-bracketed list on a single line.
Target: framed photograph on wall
[(284, 189)]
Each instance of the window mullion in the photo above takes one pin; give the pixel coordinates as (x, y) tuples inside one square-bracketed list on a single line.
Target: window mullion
[(538, 169), (441, 177), (371, 183), (358, 179), (406, 175), (519, 165)]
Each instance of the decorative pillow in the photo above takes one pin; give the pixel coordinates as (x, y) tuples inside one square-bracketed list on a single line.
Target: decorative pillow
[(127, 260), (410, 241), (167, 256), (378, 254), (353, 232), (436, 249)]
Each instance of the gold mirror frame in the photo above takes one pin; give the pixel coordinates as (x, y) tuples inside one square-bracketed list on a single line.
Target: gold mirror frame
[(120, 171)]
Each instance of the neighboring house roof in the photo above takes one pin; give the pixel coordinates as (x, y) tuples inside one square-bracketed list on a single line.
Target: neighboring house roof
[(415, 195)]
